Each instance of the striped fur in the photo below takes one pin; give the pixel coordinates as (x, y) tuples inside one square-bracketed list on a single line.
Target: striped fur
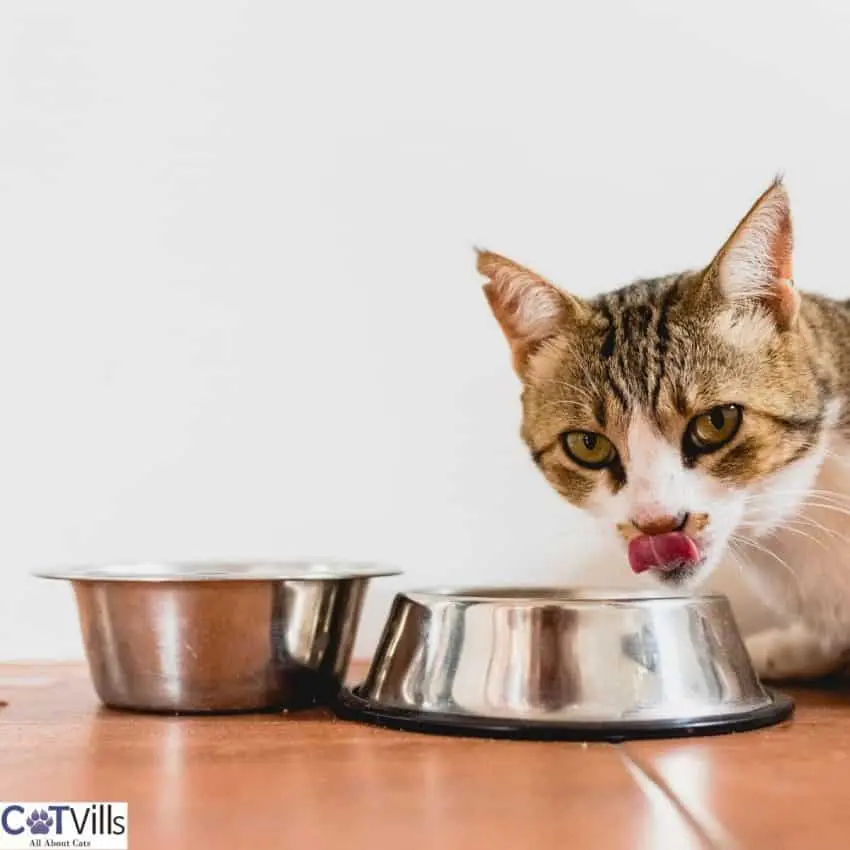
[(647, 348), (639, 363)]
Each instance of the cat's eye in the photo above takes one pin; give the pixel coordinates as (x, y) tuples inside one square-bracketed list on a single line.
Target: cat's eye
[(588, 449), (713, 429)]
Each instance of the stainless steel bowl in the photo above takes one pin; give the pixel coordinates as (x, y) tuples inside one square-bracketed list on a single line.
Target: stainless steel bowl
[(213, 637), (539, 663)]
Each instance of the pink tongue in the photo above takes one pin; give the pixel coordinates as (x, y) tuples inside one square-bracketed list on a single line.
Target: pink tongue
[(662, 552)]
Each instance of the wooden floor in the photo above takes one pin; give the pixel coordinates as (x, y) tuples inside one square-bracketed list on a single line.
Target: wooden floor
[(308, 781)]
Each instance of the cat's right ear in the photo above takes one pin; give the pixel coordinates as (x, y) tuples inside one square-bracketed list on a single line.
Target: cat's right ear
[(529, 309)]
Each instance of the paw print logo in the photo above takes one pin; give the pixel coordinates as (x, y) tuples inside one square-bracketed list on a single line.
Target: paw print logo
[(39, 822)]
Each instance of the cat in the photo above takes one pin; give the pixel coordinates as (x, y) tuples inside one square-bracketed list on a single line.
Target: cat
[(703, 418)]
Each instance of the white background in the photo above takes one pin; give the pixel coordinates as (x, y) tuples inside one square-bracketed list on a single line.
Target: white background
[(240, 315)]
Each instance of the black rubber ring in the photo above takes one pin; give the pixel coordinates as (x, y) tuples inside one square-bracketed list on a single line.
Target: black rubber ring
[(351, 706)]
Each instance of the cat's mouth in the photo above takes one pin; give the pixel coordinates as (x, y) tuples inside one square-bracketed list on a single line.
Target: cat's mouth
[(679, 575), (673, 558)]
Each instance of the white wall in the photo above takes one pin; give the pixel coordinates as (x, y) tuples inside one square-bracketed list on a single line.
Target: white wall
[(239, 311)]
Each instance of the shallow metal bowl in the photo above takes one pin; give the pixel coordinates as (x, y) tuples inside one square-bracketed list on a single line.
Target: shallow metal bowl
[(549, 663), (229, 636)]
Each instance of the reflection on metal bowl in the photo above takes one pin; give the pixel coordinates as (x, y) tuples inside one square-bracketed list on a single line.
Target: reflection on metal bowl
[(204, 637), (549, 663)]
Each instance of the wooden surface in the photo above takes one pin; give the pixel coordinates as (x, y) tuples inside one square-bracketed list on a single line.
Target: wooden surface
[(307, 781)]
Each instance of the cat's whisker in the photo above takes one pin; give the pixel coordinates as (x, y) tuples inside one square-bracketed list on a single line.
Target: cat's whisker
[(567, 405), (756, 521), (820, 503), (806, 520), (738, 557), (793, 530), (823, 494), (581, 392), (755, 545), (827, 507)]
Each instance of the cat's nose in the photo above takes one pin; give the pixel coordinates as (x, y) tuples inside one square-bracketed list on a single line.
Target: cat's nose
[(660, 523)]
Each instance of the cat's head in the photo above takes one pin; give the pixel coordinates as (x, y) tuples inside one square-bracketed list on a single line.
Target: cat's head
[(685, 412)]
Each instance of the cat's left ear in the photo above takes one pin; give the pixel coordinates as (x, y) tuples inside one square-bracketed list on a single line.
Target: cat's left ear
[(755, 264)]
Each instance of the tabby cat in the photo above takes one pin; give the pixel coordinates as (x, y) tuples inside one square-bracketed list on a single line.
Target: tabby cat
[(703, 417)]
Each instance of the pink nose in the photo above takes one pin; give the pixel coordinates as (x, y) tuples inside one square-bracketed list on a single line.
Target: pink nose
[(660, 524)]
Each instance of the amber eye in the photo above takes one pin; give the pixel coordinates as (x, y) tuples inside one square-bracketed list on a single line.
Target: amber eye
[(713, 429), (588, 449)]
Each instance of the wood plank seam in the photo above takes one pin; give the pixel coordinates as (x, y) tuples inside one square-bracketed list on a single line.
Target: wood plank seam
[(710, 836)]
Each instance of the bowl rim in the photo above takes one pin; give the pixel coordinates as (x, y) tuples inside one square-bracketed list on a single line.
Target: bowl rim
[(530, 595), (219, 569)]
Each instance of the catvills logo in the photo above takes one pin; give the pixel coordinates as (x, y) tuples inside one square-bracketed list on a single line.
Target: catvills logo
[(96, 826)]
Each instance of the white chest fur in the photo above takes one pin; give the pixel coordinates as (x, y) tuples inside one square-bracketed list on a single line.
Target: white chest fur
[(792, 584)]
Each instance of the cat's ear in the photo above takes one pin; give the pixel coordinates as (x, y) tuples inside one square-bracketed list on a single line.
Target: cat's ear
[(529, 309), (755, 264)]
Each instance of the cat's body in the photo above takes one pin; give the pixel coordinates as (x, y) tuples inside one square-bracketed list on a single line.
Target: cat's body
[(803, 573), (705, 417)]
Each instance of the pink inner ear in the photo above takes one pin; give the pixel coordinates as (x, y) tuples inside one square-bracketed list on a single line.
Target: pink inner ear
[(756, 262), (782, 250), (528, 308), (783, 297), (786, 303)]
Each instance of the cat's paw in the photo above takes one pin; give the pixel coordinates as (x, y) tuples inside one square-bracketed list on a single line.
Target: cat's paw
[(790, 654)]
